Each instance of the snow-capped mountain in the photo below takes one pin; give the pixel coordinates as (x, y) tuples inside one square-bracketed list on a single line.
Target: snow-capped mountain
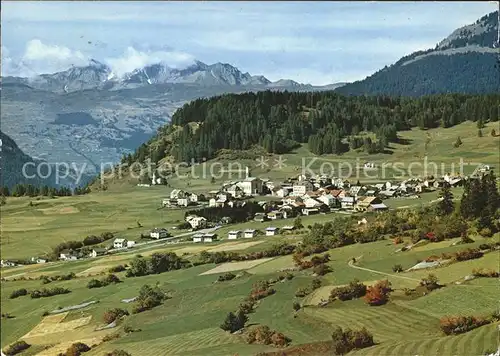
[(94, 75), (97, 75)]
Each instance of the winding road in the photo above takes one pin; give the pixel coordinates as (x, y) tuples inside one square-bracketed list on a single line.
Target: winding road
[(352, 265)]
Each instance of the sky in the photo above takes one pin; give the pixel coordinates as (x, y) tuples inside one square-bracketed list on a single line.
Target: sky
[(310, 42)]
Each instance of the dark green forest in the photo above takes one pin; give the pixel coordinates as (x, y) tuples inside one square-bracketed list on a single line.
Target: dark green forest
[(471, 72), (327, 121)]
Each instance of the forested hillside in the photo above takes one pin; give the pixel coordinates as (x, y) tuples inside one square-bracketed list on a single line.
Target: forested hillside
[(467, 61), (328, 122)]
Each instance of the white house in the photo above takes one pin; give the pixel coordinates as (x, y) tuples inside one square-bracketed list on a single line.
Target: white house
[(68, 255), (130, 243), (158, 233), (193, 198), (327, 199), (98, 252), (302, 188), (249, 233), (251, 186), (196, 222), (347, 202), (275, 215), (182, 202), (288, 228), (271, 231), (209, 237), (177, 193), (39, 260), (235, 191), (120, 243), (234, 235), (312, 203), (198, 238)]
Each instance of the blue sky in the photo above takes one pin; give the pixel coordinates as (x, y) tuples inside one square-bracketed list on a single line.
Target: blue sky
[(310, 42)]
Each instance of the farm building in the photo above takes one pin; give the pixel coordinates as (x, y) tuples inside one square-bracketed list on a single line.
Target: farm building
[(249, 233), (234, 235), (97, 252), (271, 231), (158, 233), (120, 243)]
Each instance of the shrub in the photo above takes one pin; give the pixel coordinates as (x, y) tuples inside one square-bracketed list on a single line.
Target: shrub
[(148, 298), (355, 289), (345, 341), (18, 293), (296, 306), (116, 269), (114, 314), (315, 283), (226, 277), (118, 353), (321, 269), (77, 349), (486, 232), (94, 283), (246, 306), (397, 268), (262, 334), (398, 240), (261, 290), (302, 292), (234, 322), (48, 292), (16, 347), (460, 324), (430, 282), (469, 254), (481, 272), (378, 294), (110, 279)]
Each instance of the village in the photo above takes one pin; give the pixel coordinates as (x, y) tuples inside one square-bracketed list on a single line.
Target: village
[(301, 195)]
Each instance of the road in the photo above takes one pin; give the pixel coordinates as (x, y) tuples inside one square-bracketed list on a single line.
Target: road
[(352, 265)]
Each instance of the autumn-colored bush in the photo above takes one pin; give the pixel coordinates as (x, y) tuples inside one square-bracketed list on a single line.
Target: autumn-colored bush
[(398, 240), (77, 349), (378, 294), (111, 315), (469, 254), (460, 324), (261, 290), (262, 334)]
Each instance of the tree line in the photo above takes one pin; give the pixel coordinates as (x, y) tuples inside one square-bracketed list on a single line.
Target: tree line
[(30, 190), (328, 122)]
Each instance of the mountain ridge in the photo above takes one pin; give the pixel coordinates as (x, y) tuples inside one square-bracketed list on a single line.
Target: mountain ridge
[(465, 62)]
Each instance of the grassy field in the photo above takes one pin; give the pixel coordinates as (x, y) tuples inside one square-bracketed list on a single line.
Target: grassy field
[(188, 323)]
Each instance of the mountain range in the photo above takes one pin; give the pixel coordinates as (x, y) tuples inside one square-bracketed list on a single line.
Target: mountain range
[(90, 117), (99, 76)]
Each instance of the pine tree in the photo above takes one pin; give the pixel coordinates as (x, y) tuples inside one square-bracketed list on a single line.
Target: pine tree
[(479, 133), (458, 142), (480, 123), (493, 133), (445, 206)]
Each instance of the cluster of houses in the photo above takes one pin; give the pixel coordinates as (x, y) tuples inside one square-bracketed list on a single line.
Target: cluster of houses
[(307, 195)]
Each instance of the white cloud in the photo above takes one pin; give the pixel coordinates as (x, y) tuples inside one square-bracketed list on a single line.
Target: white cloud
[(39, 58), (133, 59)]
